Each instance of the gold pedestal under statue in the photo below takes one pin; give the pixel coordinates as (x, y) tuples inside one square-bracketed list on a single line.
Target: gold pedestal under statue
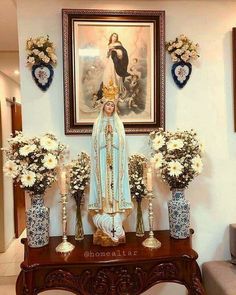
[(102, 239)]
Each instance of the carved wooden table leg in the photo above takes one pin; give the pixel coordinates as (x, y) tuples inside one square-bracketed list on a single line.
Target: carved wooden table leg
[(196, 281), (28, 278)]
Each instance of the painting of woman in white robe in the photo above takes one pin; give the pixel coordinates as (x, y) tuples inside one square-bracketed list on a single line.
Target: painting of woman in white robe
[(117, 52)]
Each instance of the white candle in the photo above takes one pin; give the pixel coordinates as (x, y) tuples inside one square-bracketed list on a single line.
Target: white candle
[(149, 179), (63, 182)]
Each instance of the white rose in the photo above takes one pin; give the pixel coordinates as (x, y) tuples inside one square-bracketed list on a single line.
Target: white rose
[(41, 54), (36, 51), (31, 60)]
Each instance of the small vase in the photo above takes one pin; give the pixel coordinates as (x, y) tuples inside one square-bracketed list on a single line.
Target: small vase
[(79, 231), (179, 215), (37, 222), (181, 72), (139, 224)]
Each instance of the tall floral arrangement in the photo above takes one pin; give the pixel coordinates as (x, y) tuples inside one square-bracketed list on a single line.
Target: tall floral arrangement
[(40, 49), (137, 166), (79, 180), (182, 48), (177, 156), (32, 161), (79, 175)]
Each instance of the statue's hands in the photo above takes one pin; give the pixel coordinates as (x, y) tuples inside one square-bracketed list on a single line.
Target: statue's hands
[(110, 128)]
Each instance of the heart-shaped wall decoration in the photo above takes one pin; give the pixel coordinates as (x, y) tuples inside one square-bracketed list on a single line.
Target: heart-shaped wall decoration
[(181, 72), (42, 74)]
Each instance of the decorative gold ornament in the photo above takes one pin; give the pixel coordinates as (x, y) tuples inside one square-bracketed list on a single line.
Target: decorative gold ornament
[(151, 241), (110, 92)]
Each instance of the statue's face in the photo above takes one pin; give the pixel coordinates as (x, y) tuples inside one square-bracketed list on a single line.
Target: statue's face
[(109, 108)]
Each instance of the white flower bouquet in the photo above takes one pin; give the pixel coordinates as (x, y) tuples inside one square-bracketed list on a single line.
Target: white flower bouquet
[(79, 170), (177, 156), (137, 166), (183, 49), (32, 161), (40, 49)]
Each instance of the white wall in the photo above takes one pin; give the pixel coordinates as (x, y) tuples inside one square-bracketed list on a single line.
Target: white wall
[(8, 88), (205, 104)]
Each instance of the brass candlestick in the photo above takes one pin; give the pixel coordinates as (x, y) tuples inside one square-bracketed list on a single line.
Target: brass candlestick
[(151, 241), (64, 246)]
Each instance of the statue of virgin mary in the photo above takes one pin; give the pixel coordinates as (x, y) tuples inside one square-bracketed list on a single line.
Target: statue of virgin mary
[(109, 200)]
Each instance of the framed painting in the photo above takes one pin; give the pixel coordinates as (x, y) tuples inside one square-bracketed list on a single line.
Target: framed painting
[(126, 48)]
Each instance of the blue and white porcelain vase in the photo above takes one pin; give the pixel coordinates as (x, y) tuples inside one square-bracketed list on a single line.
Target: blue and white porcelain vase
[(179, 215), (37, 222)]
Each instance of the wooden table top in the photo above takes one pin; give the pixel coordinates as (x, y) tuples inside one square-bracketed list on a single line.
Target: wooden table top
[(86, 252)]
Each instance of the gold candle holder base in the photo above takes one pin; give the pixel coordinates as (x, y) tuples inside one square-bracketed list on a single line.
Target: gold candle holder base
[(151, 242), (65, 247)]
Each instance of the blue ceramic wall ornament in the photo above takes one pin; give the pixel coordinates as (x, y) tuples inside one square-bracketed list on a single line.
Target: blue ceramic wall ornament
[(182, 51), (41, 58), (43, 75), (181, 72)]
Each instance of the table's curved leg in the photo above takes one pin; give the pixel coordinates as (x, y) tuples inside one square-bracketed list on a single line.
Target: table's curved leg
[(196, 282)]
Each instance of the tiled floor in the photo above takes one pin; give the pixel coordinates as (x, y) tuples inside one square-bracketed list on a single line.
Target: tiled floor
[(10, 266)]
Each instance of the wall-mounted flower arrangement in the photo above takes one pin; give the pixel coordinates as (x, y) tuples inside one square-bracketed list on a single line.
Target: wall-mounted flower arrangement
[(41, 57), (182, 51)]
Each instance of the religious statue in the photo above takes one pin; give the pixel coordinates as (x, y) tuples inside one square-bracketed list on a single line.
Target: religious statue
[(109, 200)]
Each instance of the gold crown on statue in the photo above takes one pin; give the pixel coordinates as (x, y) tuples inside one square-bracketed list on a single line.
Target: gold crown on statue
[(110, 92)]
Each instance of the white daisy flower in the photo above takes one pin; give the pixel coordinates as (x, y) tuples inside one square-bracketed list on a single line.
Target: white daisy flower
[(197, 164), (175, 144), (158, 142), (18, 138), (50, 161), (10, 169), (28, 178), (48, 143), (175, 168), (25, 150)]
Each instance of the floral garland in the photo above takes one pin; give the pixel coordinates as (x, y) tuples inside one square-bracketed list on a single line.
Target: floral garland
[(176, 156), (40, 49), (79, 175), (32, 161), (182, 49), (137, 165)]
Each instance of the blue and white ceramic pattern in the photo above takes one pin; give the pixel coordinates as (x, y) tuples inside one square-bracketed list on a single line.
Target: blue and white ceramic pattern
[(43, 75), (37, 223), (181, 72), (179, 215)]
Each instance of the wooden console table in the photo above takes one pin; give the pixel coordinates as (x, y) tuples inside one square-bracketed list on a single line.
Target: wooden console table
[(127, 269)]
